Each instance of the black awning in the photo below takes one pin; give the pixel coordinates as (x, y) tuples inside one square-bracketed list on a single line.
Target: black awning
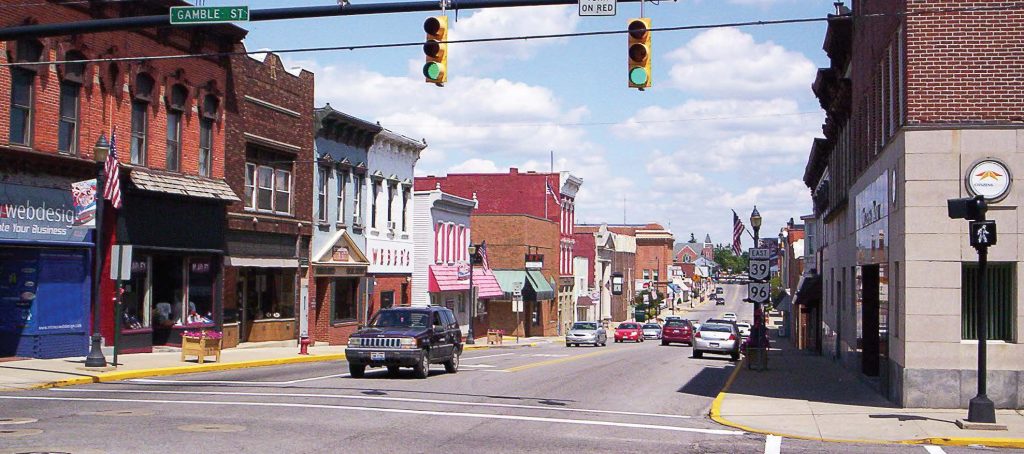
[(809, 291)]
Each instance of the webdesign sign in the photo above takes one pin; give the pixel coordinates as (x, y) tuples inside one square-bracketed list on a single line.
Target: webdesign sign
[(39, 214)]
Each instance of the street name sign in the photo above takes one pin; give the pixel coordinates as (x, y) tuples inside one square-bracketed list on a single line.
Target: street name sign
[(759, 253), (983, 233), (597, 7), (208, 14), (758, 269), (758, 292)]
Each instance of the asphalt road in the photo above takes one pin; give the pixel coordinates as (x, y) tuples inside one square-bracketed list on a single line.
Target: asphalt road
[(619, 398)]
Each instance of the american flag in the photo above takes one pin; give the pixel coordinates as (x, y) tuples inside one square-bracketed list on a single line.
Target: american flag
[(112, 190), (483, 254), (552, 193), (737, 233)]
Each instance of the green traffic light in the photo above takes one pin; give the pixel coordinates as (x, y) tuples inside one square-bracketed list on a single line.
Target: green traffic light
[(432, 70), (638, 75)]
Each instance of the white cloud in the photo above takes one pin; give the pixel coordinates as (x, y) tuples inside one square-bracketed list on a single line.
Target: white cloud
[(475, 165), (726, 61), (776, 202), (503, 22)]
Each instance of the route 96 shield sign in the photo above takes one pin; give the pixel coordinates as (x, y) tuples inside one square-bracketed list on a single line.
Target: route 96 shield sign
[(758, 292)]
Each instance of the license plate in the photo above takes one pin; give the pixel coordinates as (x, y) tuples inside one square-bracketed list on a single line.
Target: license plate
[(714, 344), (376, 356)]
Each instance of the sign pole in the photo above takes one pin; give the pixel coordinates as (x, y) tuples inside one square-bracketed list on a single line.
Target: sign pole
[(981, 408)]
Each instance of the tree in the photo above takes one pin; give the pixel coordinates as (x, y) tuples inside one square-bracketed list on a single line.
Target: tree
[(729, 261)]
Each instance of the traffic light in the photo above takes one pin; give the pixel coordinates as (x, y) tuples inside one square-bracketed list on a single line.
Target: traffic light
[(640, 53), (969, 208), (435, 70)]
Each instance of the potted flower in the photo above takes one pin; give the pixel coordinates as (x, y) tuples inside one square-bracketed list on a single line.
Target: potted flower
[(201, 343)]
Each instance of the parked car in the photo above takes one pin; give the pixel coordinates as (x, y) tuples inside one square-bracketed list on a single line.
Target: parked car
[(669, 318), (586, 333), (720, 338), (719, 301), (729, 316), (629, 331), (406, 337), (744, 328), (696, 324), (677, 331), (652, 331)]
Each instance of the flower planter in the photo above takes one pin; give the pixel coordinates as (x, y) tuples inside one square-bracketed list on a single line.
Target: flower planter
[(201, 347)]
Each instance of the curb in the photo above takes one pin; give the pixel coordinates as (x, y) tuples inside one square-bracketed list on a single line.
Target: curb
[(716, 415), (177, 370)]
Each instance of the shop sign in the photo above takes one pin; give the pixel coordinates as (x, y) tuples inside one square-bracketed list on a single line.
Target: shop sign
[(39, 214), (463, 272), (989, 178), (389, 256)]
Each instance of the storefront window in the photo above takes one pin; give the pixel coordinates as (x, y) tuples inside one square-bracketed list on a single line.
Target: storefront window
[(199, 307), (343, 299), (136, 300), (271, 293), (387, 299)]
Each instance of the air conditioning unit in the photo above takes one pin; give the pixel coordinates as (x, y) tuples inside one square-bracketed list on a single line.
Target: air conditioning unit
[(392, 225)]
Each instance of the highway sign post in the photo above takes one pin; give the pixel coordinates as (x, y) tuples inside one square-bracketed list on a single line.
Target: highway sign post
[(758, 292), (758, 269), (208, 14)]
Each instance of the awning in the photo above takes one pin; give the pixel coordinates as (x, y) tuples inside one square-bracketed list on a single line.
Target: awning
[(445, 278), (253, 262), (185, 185), (675, 288), (540, 285), (808, 291), (584, 300), (785, 304)]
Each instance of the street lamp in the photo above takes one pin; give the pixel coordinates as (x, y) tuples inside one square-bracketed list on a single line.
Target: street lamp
[(96, 358), (755, 223), (472, 295)]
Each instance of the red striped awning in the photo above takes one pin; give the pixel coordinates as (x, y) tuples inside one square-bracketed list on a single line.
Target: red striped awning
[(445, 278)]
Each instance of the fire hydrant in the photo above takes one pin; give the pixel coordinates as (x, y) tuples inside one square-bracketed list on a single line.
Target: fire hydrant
[(304, 345)]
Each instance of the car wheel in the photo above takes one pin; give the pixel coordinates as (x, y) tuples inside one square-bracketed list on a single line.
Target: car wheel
[(452, 365), (392, 370), (698, 354), (422, 369), (568, 345), (664, 342), (356, 370)]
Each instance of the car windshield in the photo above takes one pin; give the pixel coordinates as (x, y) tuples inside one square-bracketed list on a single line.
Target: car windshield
[(401, 319), (676, 323), (716, 328), (652, 326), (743, 325), (626, 326), (584, 326)]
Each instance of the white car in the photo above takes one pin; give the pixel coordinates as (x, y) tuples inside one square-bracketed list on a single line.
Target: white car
[(652, 331), (744, 328), (731, 316), (717, 338)]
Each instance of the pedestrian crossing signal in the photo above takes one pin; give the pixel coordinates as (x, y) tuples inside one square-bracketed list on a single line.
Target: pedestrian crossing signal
[(639, 53), (436, 50)]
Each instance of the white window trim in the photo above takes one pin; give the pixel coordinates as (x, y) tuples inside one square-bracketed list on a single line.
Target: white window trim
[(252, 168)]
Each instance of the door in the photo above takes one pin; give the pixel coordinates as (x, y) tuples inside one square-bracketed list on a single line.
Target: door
[(440, 346), (870, 354), (253, 287)]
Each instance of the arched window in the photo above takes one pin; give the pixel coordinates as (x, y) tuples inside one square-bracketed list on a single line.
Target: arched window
[(209, 116), (70, 94), (22, 91), (140, 119), (175, 110)]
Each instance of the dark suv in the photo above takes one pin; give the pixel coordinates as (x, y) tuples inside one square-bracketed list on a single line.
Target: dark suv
[(406, 337)]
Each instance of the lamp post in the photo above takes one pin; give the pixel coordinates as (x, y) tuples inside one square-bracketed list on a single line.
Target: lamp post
[(755, 223), (96, 358), (472, 295)]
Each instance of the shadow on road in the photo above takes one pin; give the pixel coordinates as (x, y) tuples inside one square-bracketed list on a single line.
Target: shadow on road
[(709, 381)]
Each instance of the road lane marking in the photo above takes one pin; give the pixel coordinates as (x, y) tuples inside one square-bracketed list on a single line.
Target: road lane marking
[(379, 398), (485, 356), (556, 361), (773, 444), (580, 422), (232, 382), (934, 449), (475, 365)]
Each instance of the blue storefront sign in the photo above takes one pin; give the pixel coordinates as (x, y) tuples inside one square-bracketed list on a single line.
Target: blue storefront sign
[(44, 273)]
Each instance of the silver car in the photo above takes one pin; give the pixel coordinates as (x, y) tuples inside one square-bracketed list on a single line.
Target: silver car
[(586, 333), (720, 338), (652, 331)]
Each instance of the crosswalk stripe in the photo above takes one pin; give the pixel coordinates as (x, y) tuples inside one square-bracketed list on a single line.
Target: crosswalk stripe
[(934, 449), (773, 444)]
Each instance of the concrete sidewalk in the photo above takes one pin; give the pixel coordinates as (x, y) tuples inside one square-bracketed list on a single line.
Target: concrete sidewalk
[(810, 397), (46, 373)]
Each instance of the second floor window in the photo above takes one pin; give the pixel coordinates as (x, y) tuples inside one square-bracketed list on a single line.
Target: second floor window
[(21, 105), (321, 196), (175, 110), (342, 180), (392, 189), (373, 204), (357, 198), (206, 135), (267, 189), (647, 274), (67, 130), (405, 209), (140, 121)]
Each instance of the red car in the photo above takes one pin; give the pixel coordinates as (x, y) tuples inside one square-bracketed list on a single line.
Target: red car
[(629, 331), (677, 331)]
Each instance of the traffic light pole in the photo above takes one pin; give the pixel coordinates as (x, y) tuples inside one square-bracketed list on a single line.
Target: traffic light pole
[(163, 20)]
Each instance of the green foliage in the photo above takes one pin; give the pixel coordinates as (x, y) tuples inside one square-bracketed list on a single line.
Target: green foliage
[(652, 307), (729, 262)]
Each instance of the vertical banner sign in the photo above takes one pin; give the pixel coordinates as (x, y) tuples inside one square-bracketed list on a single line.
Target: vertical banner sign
[(83, 195)]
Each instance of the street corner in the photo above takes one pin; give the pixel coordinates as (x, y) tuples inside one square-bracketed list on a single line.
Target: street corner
[(993, 442)]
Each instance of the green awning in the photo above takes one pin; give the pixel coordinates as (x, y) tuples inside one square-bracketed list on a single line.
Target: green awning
[(540, 285), (508, 278)]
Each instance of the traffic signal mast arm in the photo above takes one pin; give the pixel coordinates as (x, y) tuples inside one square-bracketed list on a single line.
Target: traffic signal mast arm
[(163, 20)]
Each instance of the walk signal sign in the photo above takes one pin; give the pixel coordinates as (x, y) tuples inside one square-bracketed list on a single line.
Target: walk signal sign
[(640, 53), (435, 70)]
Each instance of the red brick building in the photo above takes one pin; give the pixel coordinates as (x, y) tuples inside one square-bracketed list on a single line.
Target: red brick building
[(548, 196), (654, 246), (170, 125), (269, 146)]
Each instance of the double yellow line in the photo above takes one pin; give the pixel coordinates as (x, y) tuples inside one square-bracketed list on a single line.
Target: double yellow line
[(557, 360)]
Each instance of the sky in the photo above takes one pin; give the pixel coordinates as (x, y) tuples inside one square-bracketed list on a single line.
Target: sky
[(727, 124)]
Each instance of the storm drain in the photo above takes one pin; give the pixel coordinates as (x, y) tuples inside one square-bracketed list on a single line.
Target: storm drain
[(211, 428), (18, 433), (124, 413), (6, 421)]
